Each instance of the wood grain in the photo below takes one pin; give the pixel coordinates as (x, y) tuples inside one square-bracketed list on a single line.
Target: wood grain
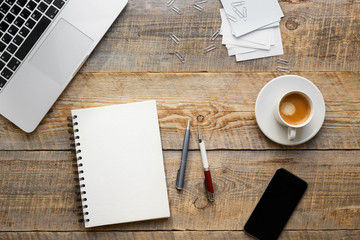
[(176, 235), (136, 61), (317, 35), (38, 191), (222, 104)]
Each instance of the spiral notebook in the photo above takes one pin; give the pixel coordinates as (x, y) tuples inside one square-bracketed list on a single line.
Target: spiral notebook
[(120, 164)]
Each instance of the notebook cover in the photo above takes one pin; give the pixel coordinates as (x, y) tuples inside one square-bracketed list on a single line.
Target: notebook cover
[(121, 163)]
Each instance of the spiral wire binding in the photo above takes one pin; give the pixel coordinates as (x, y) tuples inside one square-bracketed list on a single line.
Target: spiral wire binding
[(79, 164)]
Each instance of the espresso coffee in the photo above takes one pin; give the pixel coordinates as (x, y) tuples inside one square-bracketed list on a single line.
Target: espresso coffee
[(294, 108)]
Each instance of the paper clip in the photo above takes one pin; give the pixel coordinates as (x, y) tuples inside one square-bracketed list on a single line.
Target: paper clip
[(201, 2), (198, 7), (176, 9), (282, 61), (170, 2), (243, 14), (237, 4), (180, 57), (209, 48), (215, 35), (231, 18), (174, 38), (283, 69)]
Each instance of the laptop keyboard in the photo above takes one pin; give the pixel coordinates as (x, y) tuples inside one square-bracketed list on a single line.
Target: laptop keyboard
[(22, 22)]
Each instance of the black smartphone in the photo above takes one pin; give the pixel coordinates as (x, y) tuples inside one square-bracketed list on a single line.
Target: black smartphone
[(276, 205)]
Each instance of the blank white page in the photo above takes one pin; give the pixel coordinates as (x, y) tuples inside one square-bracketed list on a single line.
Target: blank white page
[(123, 166)]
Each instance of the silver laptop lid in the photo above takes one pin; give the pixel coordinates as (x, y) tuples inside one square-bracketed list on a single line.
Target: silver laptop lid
[(43, 45)]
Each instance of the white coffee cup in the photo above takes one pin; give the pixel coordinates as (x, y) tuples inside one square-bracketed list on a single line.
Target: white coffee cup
[(294, 105)]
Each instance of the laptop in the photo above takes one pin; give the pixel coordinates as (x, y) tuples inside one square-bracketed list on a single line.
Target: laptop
[(43, 43)]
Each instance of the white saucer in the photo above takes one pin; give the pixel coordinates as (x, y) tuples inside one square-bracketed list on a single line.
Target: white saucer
[(267, 99)]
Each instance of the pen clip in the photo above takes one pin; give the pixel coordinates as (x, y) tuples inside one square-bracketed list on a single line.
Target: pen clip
[(210, 196)]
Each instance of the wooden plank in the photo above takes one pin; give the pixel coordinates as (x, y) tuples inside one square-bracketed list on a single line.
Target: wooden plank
[(221, 104), (38, 190), (317, 35), (177, 235)]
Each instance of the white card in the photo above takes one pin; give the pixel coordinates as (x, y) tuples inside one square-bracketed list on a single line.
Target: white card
[(274, 24), (251, 14), (275, 50), (258, 39), (233, 50)]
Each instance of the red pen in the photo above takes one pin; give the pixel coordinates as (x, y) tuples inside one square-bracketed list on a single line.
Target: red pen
[(208, 182)]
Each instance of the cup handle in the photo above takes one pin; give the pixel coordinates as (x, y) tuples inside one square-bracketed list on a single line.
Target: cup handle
[(291, 133)]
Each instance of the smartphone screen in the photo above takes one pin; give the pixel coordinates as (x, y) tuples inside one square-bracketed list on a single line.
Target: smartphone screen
[(276, 205)]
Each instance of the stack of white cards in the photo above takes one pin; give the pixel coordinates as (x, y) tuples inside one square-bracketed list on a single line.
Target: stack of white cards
[(251, 28)]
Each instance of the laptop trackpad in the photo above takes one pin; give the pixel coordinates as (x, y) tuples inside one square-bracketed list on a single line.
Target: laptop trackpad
[(62, 52)]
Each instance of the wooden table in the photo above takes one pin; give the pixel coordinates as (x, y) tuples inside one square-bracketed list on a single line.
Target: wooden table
[(135, 61)]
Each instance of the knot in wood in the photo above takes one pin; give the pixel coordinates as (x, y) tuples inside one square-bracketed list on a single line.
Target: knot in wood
[(291, 24), (200, 118)]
